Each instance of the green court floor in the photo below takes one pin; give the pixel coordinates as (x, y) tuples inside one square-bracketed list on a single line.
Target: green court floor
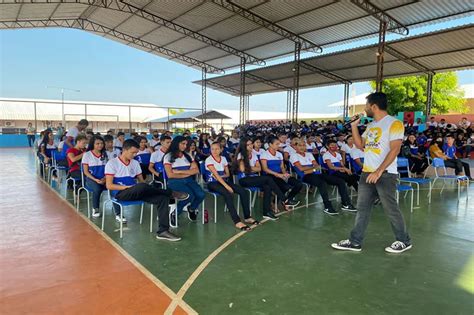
[(288, 266)]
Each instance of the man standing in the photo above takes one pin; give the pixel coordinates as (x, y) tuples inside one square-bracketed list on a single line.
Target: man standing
[(381, 143), (73, 133), (60, 131), (30, 134)]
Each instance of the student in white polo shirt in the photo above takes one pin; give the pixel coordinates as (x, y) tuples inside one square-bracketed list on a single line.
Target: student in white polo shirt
[(310, 172), (273, 165), (109, 148), (122, 175), (381, 142), (72, 134), (144, 154), (118, 143), (219, 180), (156, 159), (335, 164), (290, 149), (181, 169), (93, 166)]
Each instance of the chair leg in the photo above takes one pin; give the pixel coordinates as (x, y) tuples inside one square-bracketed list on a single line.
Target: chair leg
[(203, 207), (88, 205), (78, 201), (141, 213), (411, 209), (417, 194), (238, 204), (151, 218), (307, 195), (103, 213), (429, 194), (215, 209), (121, 221)]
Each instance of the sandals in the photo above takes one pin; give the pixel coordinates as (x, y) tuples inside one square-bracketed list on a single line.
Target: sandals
[(255, 222), (244, 228)]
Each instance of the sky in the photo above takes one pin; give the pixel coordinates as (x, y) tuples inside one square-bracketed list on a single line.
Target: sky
[(107, 71)]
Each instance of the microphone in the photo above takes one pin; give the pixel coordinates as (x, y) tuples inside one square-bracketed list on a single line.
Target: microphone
[(348, 124)]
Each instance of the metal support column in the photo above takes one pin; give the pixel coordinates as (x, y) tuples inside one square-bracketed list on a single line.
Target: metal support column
[(429, 94), (242, 92), (296, 83), (36, 118), (380, 56), (247, 107), (203, 99), (288, 104), (130, 119), (345, 112)]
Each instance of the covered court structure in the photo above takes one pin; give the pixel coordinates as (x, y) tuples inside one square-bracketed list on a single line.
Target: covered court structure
[(54, 261)]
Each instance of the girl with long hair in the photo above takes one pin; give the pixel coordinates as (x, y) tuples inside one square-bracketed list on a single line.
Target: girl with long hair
[(418, 161), (248, 168), (93, 166), (180, 169)]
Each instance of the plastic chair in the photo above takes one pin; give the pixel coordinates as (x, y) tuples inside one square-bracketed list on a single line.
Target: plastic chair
[(159, 167), (406, 189), (438, 164), (88, 192), (121, 205), (299, 176), (56, 156), (403, 166)]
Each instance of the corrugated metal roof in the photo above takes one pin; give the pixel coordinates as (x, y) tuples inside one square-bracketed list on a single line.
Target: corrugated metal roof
[(324, 22), (437, 51)]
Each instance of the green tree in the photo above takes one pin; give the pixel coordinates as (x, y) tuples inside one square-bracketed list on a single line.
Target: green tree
[(408, 94)]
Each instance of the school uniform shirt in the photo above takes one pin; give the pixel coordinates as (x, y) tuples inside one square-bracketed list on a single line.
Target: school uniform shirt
[(118, 144), (124, 174), (273, 160), (289, 149), (157, 156), (377, 143), (258, 153), (282, 146), (414, 149), (346, 148), (450, 151), (112, 154), (305, 160), (72, 133), (143, 156), (219, 164), (153, 143), (180, 163), (310, 147), (340, 144), (336, 160), (252, 161), (357, 154), (319, 145), (96, 164), (49, 148)]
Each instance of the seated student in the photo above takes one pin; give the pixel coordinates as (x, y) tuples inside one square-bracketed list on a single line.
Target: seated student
[(46, 147), (220, 181), (336, 166), (290, 149), (273, 165), (110, 152), (191, 149), (461, 145), (357, 160), (143, 156), (204, 147), (233, 142), (61, 143), (74, 156), (180, 169), (226, 152), (156, 158), (257, 147), (418, 161), (310, 172), (118, 143), (283, 138), (311, 145), (154, 142), (452, 160), (72, 134), (121, 176), (247, 166), (93, 165), (347, 147)]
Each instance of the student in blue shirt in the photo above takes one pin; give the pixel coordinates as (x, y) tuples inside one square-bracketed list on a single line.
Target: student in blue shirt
[(452, 160)]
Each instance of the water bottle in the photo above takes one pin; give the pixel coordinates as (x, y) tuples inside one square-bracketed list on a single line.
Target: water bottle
[(206, 216)]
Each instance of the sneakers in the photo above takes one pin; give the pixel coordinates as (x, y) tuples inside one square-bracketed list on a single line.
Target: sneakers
[(168, 236), (95, 213), (292, 202), (331, 211), (349, 207), (270, 216), (398, 247), (117, 218), (192, 215), (346, 245)]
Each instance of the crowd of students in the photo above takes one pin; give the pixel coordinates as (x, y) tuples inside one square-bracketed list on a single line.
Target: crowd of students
[(270, 158)]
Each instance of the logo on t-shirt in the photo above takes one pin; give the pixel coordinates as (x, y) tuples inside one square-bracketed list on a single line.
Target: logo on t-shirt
[(373, 140)]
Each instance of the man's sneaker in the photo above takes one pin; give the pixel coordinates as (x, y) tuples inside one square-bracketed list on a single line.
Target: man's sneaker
[(398, 247), (192, 215), (292, 202), (349, 207), (168, 236), (95, 213), (346, 245), (117, 218), (270, 216), (331, 211)]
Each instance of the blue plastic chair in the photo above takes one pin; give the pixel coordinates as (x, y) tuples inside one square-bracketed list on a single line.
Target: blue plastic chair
[(406, 189), (121, 205), (438, 164), (403, 166), (299, 176)]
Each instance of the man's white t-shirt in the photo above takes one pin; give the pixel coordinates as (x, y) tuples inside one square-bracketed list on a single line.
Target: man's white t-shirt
[(377, 143)]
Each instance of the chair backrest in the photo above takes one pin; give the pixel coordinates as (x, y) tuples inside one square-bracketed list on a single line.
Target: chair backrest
[(204, 173), (355, 167), (438, 163), (160, 168), (403, 166)]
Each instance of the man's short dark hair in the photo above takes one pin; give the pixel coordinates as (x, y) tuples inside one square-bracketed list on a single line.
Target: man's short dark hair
[(449, 135), (165, 137), (83, 122), (120, 133), (130, 143), (108, 138), (379, 99)]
